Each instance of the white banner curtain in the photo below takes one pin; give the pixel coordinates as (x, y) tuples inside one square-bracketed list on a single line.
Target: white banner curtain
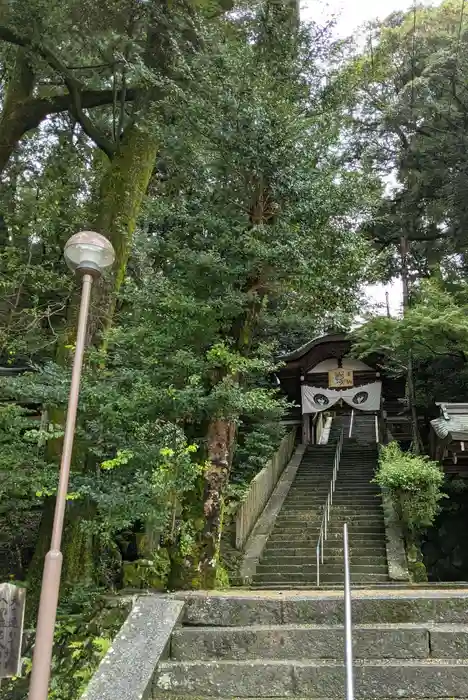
[(362, 398)]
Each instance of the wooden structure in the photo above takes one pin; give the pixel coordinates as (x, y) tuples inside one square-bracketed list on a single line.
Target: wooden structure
[(326, 362), (449, 438), (261, 487)]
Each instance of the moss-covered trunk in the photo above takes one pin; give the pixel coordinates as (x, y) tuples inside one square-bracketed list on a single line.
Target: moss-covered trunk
[(78, 556), (220, 446), (123, 187)]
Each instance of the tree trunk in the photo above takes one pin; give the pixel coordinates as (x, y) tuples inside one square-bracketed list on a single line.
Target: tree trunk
[(416, 438), (221, 439), (19, 91)]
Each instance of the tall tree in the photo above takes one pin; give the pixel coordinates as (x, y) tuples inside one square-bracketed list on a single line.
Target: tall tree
[(408, 120)]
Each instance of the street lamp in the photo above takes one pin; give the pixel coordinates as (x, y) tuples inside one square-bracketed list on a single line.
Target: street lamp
[(87, 253)]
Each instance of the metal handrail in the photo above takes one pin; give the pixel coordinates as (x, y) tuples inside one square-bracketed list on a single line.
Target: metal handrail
[(348, 620), (326, 514), (377, 438), (351, 423)]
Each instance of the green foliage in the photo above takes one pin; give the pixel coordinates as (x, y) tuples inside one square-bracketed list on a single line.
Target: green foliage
[(148, 573), (418, 572), (86, 626), (25, 476), (435, 330), (246, 237), (415, 483), (407, 116)]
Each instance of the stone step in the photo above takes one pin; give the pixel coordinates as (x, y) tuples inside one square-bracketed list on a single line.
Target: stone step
[(359, 506), (359, 501), (295, 560), (366, 466), (356, 471), (293, 550), (359, 453), (393, 641), (309, 568), (335, 528), (361, 517), (359, 510), (336, 525), (300, 537), (345, 497), (309, 554), (298, 525), (352, 463), (352, 478), (334, 539), (411, 605), (289, 579), (348, 489), (312, 520), (337, 512), (307, 587), (313, 679), (356, 480)]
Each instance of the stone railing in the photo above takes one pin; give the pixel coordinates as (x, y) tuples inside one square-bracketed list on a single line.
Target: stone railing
[(126, 671), (260, 489)]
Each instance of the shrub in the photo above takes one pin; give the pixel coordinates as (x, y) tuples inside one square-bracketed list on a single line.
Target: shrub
[(415, 484)]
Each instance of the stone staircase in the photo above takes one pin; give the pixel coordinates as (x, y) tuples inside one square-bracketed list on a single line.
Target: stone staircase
[(407, 644), (363, 428), (289, 558)]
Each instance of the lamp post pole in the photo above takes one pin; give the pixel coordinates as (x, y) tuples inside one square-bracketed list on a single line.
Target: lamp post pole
[(42, 657)]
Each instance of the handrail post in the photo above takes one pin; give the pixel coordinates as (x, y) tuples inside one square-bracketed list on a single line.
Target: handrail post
[(348, 620), (376, 430)]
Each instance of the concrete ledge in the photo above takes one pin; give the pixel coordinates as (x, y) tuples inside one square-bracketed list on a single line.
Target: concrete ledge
[(126, 671), (262, 530), (395, 543)]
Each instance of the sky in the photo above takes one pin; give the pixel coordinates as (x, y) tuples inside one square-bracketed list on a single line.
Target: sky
[(350, 14)]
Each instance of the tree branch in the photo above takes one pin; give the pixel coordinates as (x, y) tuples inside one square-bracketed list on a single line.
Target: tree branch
[(75, 88), (78, 99), (32, 112)]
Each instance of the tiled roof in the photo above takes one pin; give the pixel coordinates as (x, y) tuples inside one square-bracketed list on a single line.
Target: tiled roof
[(453, 421)]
